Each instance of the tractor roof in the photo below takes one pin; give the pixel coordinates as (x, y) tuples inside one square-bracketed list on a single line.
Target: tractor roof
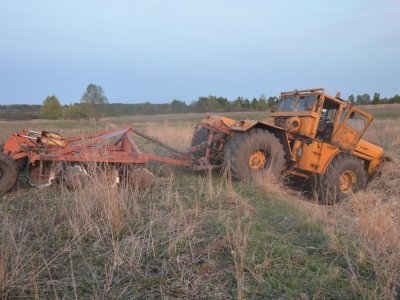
[(317, 91)]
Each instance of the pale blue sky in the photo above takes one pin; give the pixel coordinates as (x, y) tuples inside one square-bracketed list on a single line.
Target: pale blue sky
[(162, 50)]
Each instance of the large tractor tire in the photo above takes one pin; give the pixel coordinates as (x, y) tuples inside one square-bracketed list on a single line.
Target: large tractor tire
[(9, 172), (345, 176), (254, 152), (21, 163)]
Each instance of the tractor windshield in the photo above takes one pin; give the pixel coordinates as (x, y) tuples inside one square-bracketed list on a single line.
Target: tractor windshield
[(296, 103)]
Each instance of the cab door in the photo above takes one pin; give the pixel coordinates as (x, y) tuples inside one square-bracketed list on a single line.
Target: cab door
[(351, 129)]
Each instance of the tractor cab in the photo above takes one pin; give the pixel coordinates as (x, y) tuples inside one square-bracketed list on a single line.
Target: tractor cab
[(316, 115), (298, 112)]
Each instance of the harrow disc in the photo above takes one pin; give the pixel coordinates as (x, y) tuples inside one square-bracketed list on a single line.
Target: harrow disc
[(75, 177), (140, 179), (108, 175), (41, 175)]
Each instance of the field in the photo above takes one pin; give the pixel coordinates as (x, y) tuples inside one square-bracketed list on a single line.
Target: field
[(200, 235)]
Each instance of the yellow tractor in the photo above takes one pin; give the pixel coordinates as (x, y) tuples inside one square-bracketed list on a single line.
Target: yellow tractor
[(310, 134)]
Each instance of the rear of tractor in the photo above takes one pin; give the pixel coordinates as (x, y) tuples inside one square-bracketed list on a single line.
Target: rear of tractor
[(310, 135)]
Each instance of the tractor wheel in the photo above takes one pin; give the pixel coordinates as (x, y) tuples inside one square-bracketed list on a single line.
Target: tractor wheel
[(8, 173), (254, 152), (345, 176), (21, 163)]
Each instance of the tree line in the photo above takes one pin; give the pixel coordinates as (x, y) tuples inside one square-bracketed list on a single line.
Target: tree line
[(94, 105)]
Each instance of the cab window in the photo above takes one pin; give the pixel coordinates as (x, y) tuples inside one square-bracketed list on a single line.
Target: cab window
[(357, 121), (296, 103), (327, 120)]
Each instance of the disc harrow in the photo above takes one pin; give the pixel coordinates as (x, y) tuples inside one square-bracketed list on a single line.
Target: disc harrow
[(49, 156)]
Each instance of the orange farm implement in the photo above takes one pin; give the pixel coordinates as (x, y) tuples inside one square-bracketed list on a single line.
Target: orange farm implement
[(42, 152)]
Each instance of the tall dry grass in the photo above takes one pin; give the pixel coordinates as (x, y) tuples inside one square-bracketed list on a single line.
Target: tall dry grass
[(177, 134), (366, 227), (385, 133), (106, 242), (102, 241)]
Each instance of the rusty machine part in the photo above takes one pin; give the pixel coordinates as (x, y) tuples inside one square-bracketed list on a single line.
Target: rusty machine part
[(41, 174), (45, 150), (75, 177), (141, 179)]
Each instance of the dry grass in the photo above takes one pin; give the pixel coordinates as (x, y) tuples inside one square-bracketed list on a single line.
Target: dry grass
[(366, 227), (385, 133), (177, 134), (188, 236), (370, 224), (101, 241), (106, 242), (375, 213)]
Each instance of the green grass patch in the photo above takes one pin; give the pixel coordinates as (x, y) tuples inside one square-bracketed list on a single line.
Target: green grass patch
[(292, 257)]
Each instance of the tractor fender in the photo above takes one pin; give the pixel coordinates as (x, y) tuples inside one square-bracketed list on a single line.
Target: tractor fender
[(280, 133), (370, 162)]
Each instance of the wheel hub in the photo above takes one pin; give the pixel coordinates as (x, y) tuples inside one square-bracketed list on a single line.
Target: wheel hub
[(257, 161), (346, 181)]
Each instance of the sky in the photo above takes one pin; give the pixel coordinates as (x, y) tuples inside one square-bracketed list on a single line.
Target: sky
[(160, 50)]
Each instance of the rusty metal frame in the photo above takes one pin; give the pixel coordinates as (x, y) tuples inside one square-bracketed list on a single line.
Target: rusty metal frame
[(90, 148)]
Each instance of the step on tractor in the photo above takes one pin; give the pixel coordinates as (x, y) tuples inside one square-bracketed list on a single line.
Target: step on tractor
[(310, 135)]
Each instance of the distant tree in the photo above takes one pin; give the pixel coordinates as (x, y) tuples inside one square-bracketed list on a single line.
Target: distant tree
[(376, 99), (395, 99), (246, 103), (254, 103), (51, 108), (94, 94), (178, 106), (363, 99), (94, 99), (272, 101), (212, 103), (351, 99), (223, 104), (76, 111), (201, 105), (148, 109), (238, 104), (20, 111), (262, 104)]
